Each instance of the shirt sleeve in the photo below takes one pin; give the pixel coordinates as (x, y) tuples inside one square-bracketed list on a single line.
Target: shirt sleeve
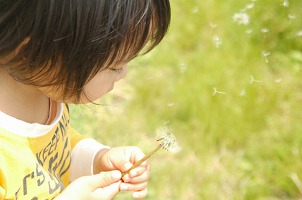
[(83, 153), (75, 137)]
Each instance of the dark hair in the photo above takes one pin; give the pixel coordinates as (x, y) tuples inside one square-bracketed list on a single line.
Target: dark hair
[(82, 37)]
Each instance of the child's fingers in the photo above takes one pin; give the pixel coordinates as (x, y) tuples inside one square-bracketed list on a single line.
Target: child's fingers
[(140, 194), (139, 170), (104, 179), (100, 186), (108, 185), (139, 179), (140, 190), (108, 192), (137, 154), (133, 187), (138, 175)]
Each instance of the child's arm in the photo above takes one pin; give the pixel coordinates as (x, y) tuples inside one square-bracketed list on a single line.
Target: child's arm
[(99, 158), (83, 152)]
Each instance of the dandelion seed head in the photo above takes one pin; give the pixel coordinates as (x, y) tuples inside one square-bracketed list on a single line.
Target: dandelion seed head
[(241, 18), (167, 140)]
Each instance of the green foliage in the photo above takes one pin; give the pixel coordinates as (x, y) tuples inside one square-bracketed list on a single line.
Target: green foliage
[(242, 142)]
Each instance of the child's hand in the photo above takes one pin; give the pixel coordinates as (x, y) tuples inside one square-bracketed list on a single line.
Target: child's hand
[(100, 186), (122, 158)]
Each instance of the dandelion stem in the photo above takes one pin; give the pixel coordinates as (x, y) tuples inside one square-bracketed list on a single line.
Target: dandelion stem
[(143, 159), (167, 142)]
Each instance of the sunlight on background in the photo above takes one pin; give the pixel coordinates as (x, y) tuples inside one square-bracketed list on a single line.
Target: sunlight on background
[(227, 81)]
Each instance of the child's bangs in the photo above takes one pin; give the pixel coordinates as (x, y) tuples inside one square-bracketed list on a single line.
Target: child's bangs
[(137, 24)]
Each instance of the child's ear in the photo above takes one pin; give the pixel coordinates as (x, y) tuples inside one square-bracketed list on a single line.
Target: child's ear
[(5, 59)]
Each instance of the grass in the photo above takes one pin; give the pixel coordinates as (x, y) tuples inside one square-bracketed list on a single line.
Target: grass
[(244, 144)]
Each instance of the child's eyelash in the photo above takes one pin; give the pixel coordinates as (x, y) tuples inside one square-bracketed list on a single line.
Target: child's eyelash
[(117, 70)]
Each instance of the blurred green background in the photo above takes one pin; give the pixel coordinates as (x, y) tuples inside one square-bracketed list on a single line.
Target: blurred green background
[(227, 81)]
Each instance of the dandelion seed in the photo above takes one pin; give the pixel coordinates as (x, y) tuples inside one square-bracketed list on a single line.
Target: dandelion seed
[(299, 33), (278, 80), (249, 31), (241, 18), (195, 10), (247, 7), (252, 80), (170, 104), (291, 16), (183, 68), (213, 26), (296, 151), (242, 93), (265, 30), (285, 3), (250, 6), (297, 181), (167, 141), (266, 54), (217, 41), (217, 92)]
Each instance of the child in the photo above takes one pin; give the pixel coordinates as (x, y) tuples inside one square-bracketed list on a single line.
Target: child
[(54, 53)]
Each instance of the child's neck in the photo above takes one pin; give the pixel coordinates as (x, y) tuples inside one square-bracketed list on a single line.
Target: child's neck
[(24, 102)]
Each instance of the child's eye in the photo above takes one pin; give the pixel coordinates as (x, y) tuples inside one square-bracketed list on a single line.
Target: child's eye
[(120, 70)]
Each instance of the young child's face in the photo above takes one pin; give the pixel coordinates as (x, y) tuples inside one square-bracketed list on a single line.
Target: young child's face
[(102, 83)]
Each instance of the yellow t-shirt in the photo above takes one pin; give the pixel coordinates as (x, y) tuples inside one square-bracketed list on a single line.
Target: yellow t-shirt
[(36, 167)]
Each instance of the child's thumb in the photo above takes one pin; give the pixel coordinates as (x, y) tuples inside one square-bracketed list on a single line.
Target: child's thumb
[(108, 192), (108, 184), (104, 179)]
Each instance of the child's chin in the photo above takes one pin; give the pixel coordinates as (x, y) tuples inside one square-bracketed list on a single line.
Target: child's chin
[(90, 99)]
